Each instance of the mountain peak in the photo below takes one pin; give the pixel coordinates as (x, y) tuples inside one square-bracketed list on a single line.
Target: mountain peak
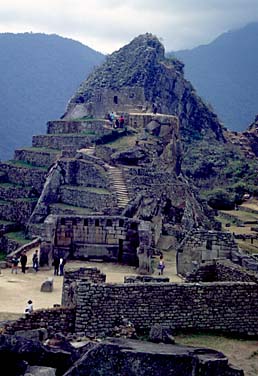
[(135, 77)]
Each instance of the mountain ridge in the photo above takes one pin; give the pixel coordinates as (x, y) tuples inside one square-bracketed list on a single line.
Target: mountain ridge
[(224, 74), (41, 72)]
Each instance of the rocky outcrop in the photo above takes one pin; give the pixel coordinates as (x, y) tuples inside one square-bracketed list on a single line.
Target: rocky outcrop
[(247, 141), (131, 358), (137, 76), (18, 353), (21, 356)]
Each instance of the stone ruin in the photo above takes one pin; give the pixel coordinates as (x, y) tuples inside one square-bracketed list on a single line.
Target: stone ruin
[(109, 319), (89, 191)]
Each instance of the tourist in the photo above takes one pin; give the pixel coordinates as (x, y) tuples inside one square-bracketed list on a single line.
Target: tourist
[(109, 117), (56, 265), (154, 108), (29, 308), (112, 116), (61, 266), (23, 261), (117, 124), (35, 261), (161, 265), (121, 121), (15, 262)]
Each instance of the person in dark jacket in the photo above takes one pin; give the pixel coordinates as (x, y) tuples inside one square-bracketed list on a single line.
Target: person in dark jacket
[(56, 265), (15, 262), (23, 261), (35, 261)]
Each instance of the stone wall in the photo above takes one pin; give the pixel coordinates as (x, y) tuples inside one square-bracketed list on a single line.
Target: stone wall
[(8, 246), (17, 210), (9, 191), (221, 270), (144, 278), (227, 271), (64, 126), (203, 245), (113, 238), (125, 99), (229, 307), (141, 121), (96, 199), (60, 141), (27, 175), (36, 158), (73, 277), (25, 247), (87, 174), (54, 320)]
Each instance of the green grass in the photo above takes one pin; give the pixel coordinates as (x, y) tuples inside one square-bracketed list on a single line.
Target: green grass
[(209, 340), (77, 209), (3, 222), (41, 150), (241, 215), (17, 236), (89, 189), (245, 245), (27, 199), (83, 133), (2, 256), (13, 186), (87, 119), (123, 142), (24, 164)]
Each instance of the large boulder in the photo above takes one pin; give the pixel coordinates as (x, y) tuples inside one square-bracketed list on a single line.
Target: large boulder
[(138, 358), (132, 156)]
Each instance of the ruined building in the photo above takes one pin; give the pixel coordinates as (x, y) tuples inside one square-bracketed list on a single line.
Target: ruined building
[(91, 191)]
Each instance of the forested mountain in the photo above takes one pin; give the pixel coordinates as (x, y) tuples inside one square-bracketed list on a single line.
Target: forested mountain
[(224, 73), (39, 74)]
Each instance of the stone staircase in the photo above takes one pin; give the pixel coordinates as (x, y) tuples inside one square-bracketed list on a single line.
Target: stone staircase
[(116, 178), (117, 182)]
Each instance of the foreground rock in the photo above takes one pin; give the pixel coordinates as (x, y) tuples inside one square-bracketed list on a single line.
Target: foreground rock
[(111, 357), (18, 353), (138, 358)]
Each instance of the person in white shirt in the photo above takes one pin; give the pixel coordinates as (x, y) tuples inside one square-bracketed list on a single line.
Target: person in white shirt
[(29, 308)]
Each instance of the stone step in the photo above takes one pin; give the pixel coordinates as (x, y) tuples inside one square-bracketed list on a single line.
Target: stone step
[(121, 192), (120, 187), (123, 199), (42, 157)]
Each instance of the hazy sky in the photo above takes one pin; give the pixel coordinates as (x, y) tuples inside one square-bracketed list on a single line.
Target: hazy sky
[(107, 25)]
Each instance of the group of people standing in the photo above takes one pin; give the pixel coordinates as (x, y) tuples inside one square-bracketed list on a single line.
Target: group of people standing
[(23, 260), (59, 263), (116, 122)]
